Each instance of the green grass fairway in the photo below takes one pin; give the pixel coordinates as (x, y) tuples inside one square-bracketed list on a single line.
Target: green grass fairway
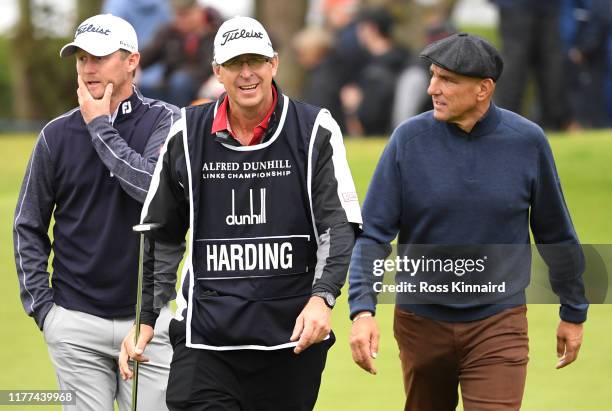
[(585, 165)]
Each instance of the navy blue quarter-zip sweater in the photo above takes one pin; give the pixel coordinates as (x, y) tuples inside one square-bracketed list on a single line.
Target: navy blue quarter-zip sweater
[(436, 184), (92, 178)]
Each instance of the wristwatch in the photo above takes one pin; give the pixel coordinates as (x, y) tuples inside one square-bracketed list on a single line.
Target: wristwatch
[(328, 298)]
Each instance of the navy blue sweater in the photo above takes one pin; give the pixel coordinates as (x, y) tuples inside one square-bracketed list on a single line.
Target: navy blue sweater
[(92, 178), (436, 184)]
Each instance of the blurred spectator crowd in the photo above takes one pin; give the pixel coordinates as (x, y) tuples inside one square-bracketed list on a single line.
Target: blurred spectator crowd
[(359, 64)]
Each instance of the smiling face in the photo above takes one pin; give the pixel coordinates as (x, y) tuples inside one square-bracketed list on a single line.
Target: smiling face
[(116, 68), (456, 98), (248, 81)]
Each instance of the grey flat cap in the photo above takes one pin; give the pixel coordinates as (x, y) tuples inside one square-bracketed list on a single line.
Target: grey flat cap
[(465, 54)]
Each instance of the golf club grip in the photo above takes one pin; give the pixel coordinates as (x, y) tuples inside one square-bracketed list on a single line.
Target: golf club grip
[(146, 227)]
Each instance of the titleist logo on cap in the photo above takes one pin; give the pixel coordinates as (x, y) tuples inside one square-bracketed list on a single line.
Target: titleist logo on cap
[(240, 34), (90, 28)]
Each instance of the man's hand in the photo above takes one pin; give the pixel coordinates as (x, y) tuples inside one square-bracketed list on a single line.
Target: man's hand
[(569, 340), (364, 342), (312, 325), (351, 97), (90, 107), (128, 350), (575, 56)]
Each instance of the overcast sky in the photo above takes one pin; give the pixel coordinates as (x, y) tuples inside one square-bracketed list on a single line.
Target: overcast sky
[(8, 16)]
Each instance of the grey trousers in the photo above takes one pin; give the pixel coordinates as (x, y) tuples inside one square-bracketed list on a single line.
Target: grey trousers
[(85, 349)]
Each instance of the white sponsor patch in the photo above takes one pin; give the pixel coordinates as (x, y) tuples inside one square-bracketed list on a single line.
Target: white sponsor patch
[(126, 107), (352, 196)]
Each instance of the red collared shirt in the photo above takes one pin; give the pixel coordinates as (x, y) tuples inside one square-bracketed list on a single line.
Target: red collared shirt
[(221, 120)]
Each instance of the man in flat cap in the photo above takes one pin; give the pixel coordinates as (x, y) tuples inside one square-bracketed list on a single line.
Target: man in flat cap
[(466, 174)]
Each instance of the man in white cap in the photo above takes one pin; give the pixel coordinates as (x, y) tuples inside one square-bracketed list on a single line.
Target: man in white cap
[(263, 184), (91, 168)]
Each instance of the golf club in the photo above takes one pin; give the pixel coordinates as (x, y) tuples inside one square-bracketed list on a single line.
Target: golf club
[(141, 229)]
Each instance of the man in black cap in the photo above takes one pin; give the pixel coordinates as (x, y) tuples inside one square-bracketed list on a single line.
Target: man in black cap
[(466, 175)]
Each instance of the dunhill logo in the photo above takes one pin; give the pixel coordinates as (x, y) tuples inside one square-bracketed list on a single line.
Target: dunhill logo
[(251, 218), (90, 28), (240, 34)]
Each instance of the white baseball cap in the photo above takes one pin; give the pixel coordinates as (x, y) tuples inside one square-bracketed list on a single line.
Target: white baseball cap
[(102, 35), (241, 35)]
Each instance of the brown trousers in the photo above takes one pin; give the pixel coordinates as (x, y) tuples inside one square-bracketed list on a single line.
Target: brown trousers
[(486, 358)]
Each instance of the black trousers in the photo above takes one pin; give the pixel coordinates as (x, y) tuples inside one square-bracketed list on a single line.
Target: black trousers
[(243, 380), (531, 44)]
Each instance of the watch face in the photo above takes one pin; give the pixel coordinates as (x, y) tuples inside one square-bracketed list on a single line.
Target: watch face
[(328, 298)]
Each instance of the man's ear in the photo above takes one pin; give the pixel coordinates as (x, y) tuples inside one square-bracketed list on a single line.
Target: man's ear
[(133, 61), (275, 62), (217, 69), (485, 89)]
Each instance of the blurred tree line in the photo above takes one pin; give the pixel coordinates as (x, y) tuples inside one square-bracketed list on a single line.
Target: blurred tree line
[(39, 86)]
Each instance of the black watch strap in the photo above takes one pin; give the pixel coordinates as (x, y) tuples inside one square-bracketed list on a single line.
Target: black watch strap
[(328, 298)]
